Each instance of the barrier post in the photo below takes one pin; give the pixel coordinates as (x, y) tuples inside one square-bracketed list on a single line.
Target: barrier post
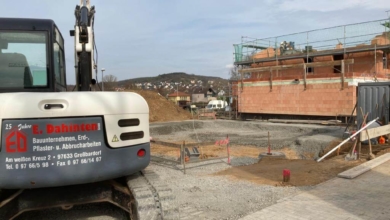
[(228, 148), (184, 164), (269, 146)]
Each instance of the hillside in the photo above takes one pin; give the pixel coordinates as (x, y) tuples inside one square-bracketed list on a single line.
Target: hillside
[(172, 77), (170, 82)]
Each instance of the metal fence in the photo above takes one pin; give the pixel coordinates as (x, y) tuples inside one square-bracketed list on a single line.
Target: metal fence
[(315, 41)]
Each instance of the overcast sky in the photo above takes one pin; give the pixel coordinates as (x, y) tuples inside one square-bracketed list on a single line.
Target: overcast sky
[(148, 38)]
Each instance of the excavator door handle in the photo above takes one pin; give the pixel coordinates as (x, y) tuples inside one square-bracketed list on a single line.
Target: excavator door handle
[(51, 106)]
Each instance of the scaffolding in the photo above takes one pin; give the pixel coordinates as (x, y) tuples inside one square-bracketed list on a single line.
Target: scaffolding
[(352, 38)]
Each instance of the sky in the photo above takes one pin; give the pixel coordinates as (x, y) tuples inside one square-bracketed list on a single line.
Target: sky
[(150, 37)]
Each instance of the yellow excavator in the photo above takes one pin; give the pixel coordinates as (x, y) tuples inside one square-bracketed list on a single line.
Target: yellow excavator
[(63, 149)]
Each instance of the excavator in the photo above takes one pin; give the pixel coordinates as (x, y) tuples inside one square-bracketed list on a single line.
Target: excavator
[(62, 149)]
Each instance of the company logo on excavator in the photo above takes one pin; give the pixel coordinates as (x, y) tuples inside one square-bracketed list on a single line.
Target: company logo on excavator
[(15, 141), (66, 128)]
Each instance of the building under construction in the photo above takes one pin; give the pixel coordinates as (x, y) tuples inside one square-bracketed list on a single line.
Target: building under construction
[(310, 74)]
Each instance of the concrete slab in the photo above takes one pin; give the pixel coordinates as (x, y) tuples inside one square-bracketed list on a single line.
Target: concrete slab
[(272, 155), (362, 168)]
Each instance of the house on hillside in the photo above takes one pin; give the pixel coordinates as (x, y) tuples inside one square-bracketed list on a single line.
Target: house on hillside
[(179, 98), (199, 97), (211, 93)]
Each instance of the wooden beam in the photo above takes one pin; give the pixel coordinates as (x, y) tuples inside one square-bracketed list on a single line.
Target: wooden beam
[(300, 65), (375, 132)]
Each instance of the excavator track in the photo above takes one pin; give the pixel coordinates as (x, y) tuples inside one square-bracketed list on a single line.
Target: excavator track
[(153, 199), (143, 197)]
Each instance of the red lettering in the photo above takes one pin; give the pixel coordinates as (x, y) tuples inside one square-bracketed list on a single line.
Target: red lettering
[(64, 128), (18, 144), (9, 143), (35, 129), (49, 128)]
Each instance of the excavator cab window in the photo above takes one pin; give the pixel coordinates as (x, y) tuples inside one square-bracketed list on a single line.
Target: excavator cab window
[(23, 59), (59, 63), (31, 56)]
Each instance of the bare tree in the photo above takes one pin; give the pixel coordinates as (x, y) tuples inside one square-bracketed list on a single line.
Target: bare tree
[(110, 82), (130, 85), (70, 88), (234, 74)]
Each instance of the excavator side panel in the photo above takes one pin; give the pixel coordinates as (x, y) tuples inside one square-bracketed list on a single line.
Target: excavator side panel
[(65, 151)]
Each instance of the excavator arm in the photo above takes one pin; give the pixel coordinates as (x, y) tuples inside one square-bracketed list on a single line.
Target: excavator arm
[(84, 44)]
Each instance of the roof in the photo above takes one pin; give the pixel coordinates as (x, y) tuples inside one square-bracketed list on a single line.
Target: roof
[(26, 24), (175, 94)]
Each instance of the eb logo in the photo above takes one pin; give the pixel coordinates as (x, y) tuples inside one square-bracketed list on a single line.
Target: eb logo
[(15, 141)]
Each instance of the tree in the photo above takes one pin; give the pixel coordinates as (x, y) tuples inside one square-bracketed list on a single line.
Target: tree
[(234, 74), (70, 88), (110, 82)]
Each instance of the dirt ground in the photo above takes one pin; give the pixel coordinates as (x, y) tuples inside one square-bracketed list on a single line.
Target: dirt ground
[(161, 109), (269, 171)]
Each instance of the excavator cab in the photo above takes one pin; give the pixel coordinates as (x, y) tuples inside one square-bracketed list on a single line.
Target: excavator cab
[(31, 56)]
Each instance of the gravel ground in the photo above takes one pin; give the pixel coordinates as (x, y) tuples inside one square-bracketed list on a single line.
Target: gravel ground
[(201, 195)]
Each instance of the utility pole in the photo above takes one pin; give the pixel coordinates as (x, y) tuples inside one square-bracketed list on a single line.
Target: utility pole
[(102, 79), (177, 94), (229, 98)]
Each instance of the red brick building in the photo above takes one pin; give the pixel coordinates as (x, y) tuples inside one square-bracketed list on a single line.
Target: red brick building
[(313, 81)]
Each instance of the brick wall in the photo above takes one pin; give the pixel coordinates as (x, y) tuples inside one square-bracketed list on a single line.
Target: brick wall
[(318, 99)]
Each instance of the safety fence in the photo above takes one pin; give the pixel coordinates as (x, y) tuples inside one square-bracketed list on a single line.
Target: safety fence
[(182, 153)]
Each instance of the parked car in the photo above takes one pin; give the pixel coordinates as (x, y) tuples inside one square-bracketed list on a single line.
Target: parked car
[(216, 104)]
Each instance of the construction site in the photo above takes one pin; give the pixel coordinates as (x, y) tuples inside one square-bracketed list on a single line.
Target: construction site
[(309, 139), (306, 108), (232, 168)]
